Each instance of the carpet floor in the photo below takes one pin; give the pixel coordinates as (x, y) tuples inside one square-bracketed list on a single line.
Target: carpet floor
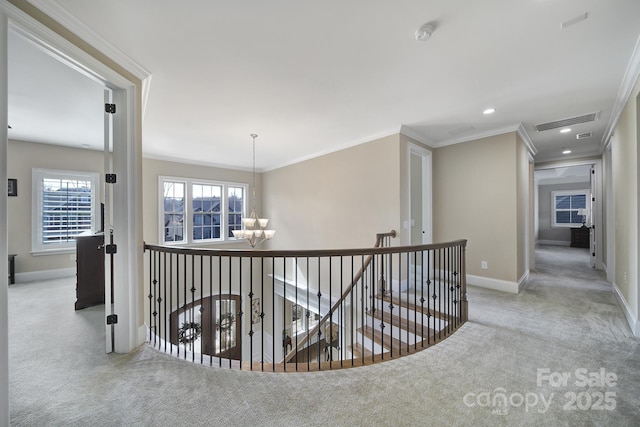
[(558, 353)]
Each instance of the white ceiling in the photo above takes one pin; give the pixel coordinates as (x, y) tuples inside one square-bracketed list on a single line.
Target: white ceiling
[(314, 77)]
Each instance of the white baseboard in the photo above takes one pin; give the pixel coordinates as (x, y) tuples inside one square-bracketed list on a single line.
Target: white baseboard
[(143, 334), (522, 280), (634, 324), (495, 284), (33, 276), (554, 242)]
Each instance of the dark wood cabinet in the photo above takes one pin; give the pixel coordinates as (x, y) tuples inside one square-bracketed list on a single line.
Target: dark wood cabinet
[(89, 270), (580, 237)]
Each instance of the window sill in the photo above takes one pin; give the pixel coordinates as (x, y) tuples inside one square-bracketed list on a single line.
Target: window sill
[(58, 251)]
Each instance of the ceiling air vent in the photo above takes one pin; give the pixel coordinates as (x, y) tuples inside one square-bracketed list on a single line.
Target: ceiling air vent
[(583, 135), (568, 122)]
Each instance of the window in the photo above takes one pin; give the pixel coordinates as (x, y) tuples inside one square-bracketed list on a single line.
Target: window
[(302, 320), (200, 211), (65, 204), (569, 208)]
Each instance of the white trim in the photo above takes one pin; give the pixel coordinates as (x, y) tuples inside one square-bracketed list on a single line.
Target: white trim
[(427, 191), (631, 75), (4, 232), (495, 284), (34, 276), (188, 209), (527, 141), (336, 148), (489, 133), (554, 242), (407, 131), (632, 320), (57, 12), (580, 192), (37, 175)]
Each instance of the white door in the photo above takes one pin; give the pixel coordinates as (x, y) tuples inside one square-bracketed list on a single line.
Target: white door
[(592, 217), (107, 222), (420, 196)]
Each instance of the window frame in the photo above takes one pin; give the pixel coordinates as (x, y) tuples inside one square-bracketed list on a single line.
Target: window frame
[(38, 247), (583, 192), (188, 209)]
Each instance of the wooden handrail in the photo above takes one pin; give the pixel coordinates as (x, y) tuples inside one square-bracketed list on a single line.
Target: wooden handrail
[(300, 344)]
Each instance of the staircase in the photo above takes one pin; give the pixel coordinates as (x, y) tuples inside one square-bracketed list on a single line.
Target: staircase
[(398, 323)]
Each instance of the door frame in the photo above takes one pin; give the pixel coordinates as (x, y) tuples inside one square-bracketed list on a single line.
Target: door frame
[(599, 203), (127, 218), (427, 192)]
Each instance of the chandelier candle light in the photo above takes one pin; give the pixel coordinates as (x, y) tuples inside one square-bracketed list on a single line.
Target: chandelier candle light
[(254, 229)]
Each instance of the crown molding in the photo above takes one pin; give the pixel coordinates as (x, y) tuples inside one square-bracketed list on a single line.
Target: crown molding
[(527, 140), (518, 128), (65, 18), (411, 133), (335, 148), (631, 75)]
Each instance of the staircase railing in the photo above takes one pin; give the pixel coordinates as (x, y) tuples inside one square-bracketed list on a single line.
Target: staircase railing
[(303, 310), (380, 241)]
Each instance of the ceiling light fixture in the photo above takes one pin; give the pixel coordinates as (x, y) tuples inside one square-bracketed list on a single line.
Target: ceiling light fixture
[(424, 32), (565, 151), (565, 130), (254, 231), (489, 111)]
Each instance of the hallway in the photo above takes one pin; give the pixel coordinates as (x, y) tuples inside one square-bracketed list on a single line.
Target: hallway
[(565, 321)]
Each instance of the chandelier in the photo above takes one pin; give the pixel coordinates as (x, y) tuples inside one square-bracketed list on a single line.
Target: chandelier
[(254, 229)]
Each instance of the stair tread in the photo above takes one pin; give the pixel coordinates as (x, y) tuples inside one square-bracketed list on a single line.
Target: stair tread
[(383, 339), (399, 302), (402, 323), (358, 350)]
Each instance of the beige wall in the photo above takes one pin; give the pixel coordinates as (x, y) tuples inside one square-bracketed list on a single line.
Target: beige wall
[(22, 158), (625, 162), (476, 198), (339, 200)]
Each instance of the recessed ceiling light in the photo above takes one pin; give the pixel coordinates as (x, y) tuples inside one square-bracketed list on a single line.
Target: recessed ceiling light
[(489, 111), (566, 151), (565, 130)]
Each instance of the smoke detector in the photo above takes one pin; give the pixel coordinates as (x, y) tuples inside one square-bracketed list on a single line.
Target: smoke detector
[(423, 33)]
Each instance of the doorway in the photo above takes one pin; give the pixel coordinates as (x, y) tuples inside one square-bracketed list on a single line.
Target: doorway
[(420, 196), (568, 208), (209, 326), (126, 153)]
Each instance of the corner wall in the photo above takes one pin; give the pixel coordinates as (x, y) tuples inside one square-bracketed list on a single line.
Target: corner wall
[(339, 200), (23, 157), (476, 197), (625, 158)]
